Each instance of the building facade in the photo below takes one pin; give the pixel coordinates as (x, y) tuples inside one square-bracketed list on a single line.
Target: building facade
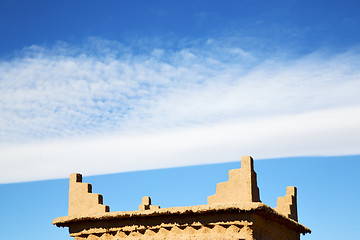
[(234, 212)]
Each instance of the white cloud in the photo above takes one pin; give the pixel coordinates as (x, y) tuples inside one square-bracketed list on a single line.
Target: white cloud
[(66, 109), (329, 132)]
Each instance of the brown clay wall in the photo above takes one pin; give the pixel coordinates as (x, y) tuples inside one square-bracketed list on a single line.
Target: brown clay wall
[(266, 229)]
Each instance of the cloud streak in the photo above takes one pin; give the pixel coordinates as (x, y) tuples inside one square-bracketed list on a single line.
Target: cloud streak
[(66, 109)]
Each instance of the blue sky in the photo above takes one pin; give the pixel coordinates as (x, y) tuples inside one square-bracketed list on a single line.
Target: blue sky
[(122, 86), (302, 26)]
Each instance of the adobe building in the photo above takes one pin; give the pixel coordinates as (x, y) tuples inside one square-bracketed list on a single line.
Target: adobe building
[(234, 212)]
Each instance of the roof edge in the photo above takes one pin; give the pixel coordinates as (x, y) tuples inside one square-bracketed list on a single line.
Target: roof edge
[(257, 207)]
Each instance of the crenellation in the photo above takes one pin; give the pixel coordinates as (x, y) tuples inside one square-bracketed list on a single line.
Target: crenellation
[(81, 199), (241, 186), (287, 205), (146, 204)]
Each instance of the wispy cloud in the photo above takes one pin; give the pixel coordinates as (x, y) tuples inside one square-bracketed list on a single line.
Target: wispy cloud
[(68, 108)]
